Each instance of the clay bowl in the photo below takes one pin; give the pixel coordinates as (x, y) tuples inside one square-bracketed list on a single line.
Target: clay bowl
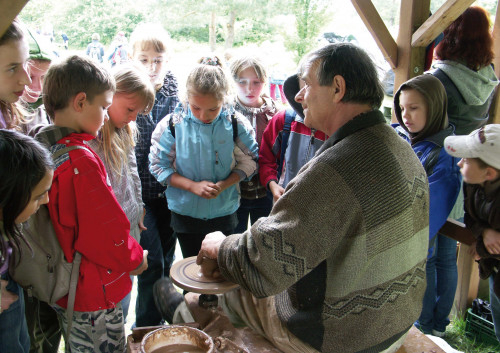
[(171, 338)]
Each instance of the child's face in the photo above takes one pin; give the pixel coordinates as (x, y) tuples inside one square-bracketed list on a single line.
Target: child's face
[(472, 171), (13, 76), (39, 196), (413, 110), (124, 109), (205, 107), (37, 70), (154, 62), (249, 88), (94, 113)]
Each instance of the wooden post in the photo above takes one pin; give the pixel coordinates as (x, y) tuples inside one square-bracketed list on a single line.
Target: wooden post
[(468, 280), (9, 10), (495, 104), (410, 60)]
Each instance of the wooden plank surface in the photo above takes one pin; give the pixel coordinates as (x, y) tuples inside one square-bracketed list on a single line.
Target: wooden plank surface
[(456, 230), (439, 21), (9, 9), (378, 30)]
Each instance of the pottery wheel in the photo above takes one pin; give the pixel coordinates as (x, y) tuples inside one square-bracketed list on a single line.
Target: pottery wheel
[(186, 274)]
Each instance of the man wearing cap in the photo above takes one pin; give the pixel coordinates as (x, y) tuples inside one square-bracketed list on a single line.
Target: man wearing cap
[(339, 264), (480, 167)]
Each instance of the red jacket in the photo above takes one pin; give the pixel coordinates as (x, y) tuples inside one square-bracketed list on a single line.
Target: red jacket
[(302, 145), (88, 219)]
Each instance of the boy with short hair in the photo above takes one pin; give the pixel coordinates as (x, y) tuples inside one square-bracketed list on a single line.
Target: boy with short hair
[(84, 211), (480, 167)]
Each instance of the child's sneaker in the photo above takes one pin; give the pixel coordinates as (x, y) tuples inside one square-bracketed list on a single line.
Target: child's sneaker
[(438, 333)]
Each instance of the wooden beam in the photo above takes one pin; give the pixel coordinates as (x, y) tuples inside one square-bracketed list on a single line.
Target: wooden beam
[(378, 30), (410, 60), (457, 231), (439, 21), (10, 9)]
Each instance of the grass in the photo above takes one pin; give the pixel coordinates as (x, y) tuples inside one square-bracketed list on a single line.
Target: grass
[(456, 338)]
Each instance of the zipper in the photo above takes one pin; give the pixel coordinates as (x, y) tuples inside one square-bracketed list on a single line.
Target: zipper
[(311, 142)]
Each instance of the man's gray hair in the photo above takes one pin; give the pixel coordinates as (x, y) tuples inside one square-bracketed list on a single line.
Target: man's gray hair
[(354, 65)]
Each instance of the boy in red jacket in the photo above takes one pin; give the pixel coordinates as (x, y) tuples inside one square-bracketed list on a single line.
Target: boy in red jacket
[(83, 209)]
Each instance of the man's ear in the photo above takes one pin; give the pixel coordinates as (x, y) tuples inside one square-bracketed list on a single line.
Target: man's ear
[(338, 88), (79, 101), (492, 174)]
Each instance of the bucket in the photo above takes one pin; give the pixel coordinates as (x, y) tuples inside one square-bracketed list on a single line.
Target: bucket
[(177, 339)]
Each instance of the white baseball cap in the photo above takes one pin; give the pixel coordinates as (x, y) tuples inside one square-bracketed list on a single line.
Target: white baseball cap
[(483, 143)]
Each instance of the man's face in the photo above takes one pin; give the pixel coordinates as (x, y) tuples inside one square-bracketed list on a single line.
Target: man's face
[(316, 100)]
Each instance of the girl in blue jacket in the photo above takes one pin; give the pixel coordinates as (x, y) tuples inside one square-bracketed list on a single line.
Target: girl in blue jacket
[(201, 152), (420, 106)]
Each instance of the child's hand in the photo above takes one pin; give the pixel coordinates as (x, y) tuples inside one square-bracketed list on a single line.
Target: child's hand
[(143, 266), (491, 240), (141, 222), (472, 251), (206, 189), (276, 190), (7, 297)]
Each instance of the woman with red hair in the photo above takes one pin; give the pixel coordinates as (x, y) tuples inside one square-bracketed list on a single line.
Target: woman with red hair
[(463, 66)]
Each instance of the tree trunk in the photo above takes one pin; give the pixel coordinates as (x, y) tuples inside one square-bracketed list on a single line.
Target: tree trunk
[(230, 30), (212, 32)]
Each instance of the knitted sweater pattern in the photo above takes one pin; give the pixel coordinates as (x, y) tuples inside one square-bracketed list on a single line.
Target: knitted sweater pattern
[(357, 284)]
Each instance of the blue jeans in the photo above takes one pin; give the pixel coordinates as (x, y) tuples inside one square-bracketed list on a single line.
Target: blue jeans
[(442, 277), (159, 240), (495, 309), (255, 208), (13, 329)]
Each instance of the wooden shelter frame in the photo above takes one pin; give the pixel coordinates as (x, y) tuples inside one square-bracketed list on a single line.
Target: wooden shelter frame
[(406, 56)]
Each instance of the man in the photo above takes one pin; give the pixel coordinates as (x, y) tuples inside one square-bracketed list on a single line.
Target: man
[(340, 261)]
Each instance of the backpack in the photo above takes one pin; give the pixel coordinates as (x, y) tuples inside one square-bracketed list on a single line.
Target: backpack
[(234, 123), (95, 52), (289, 117), (43, 270), (116, 58)]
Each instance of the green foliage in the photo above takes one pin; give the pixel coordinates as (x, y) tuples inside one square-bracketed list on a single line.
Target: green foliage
[(456, 338), (196, 34), (254, 32), (310, 17)]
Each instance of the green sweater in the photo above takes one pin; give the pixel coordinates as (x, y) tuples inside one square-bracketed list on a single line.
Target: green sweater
[(344, 248)]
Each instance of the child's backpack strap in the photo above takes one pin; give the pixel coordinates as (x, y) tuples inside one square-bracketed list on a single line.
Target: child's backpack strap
[(234, 122), (171, 126), (289, 118)]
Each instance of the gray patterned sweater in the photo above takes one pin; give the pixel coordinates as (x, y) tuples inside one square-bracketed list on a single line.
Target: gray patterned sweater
[(344, 248)]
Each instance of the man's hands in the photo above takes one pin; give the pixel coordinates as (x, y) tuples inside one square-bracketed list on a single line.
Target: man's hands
[(207, 257)]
